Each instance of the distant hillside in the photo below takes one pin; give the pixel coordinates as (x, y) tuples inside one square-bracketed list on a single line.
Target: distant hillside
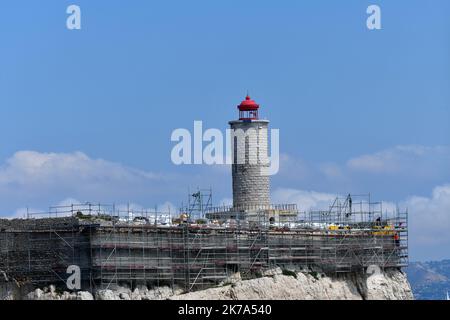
[(429, 280)]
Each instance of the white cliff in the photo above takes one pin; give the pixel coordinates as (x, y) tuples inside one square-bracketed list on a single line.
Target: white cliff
[(274, 285), (390, 285)]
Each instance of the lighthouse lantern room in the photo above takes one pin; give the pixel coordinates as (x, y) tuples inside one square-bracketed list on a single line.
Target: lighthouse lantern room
[(248, 109)]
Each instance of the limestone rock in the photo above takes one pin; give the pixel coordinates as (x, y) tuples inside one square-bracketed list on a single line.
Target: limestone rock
[(106, 295), (389, 285), (84, 295), (272, 272), (35, 295), (233, 279), (124, 296)]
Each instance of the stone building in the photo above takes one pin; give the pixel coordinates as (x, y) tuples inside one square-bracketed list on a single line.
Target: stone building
[(250, 158), (250, 172)]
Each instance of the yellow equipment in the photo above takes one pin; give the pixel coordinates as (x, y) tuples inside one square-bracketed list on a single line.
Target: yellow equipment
[(383, 231)]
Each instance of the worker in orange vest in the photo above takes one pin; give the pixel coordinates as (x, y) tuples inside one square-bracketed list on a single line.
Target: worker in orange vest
[(397, 239)]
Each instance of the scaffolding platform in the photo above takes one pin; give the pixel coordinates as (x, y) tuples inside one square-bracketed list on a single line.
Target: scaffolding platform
[(111, 251)]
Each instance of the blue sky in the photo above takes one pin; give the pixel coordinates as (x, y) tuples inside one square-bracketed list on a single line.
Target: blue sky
[(87, 114)]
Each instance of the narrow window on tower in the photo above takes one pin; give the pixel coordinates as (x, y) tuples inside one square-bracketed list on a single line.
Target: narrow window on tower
[(247, 146), (235, 157), (257, 145)]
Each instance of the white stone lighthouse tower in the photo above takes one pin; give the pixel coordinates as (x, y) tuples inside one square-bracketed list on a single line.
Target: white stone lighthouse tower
[(251, 185)]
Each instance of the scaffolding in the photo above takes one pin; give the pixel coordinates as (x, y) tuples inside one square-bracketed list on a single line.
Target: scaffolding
[(40, 253), (116, 246), (199, 203)]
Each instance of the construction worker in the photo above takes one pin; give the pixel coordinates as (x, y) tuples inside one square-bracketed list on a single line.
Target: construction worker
[(349, 197), (397, 239), (378, 221)]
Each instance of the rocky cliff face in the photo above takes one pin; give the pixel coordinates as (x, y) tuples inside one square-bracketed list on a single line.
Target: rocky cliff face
[(10, 290), (389, 285)]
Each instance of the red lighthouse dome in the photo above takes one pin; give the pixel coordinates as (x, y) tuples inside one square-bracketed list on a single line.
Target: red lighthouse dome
[(248, 109)]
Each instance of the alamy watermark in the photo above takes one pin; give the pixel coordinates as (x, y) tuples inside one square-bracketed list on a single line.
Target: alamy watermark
[(73, 21), (249, 146), (373, 22), (73, 282)]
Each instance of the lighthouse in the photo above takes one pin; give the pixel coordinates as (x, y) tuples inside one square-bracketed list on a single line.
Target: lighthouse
[(251, 184)]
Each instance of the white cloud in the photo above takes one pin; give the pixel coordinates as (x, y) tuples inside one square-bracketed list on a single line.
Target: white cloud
[(34, 212), (305, 200), (403, 159), (31, 177), (41, 179), (36, 179), (68, 202), (331, 170), (293, 167), (30, 167), (21, 213), (430, 218), (165, 207), (63, 208), (168, 207), (394, 172)]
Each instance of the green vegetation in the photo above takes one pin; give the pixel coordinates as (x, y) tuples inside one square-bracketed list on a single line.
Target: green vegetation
[(82, 216), (287, 272)]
